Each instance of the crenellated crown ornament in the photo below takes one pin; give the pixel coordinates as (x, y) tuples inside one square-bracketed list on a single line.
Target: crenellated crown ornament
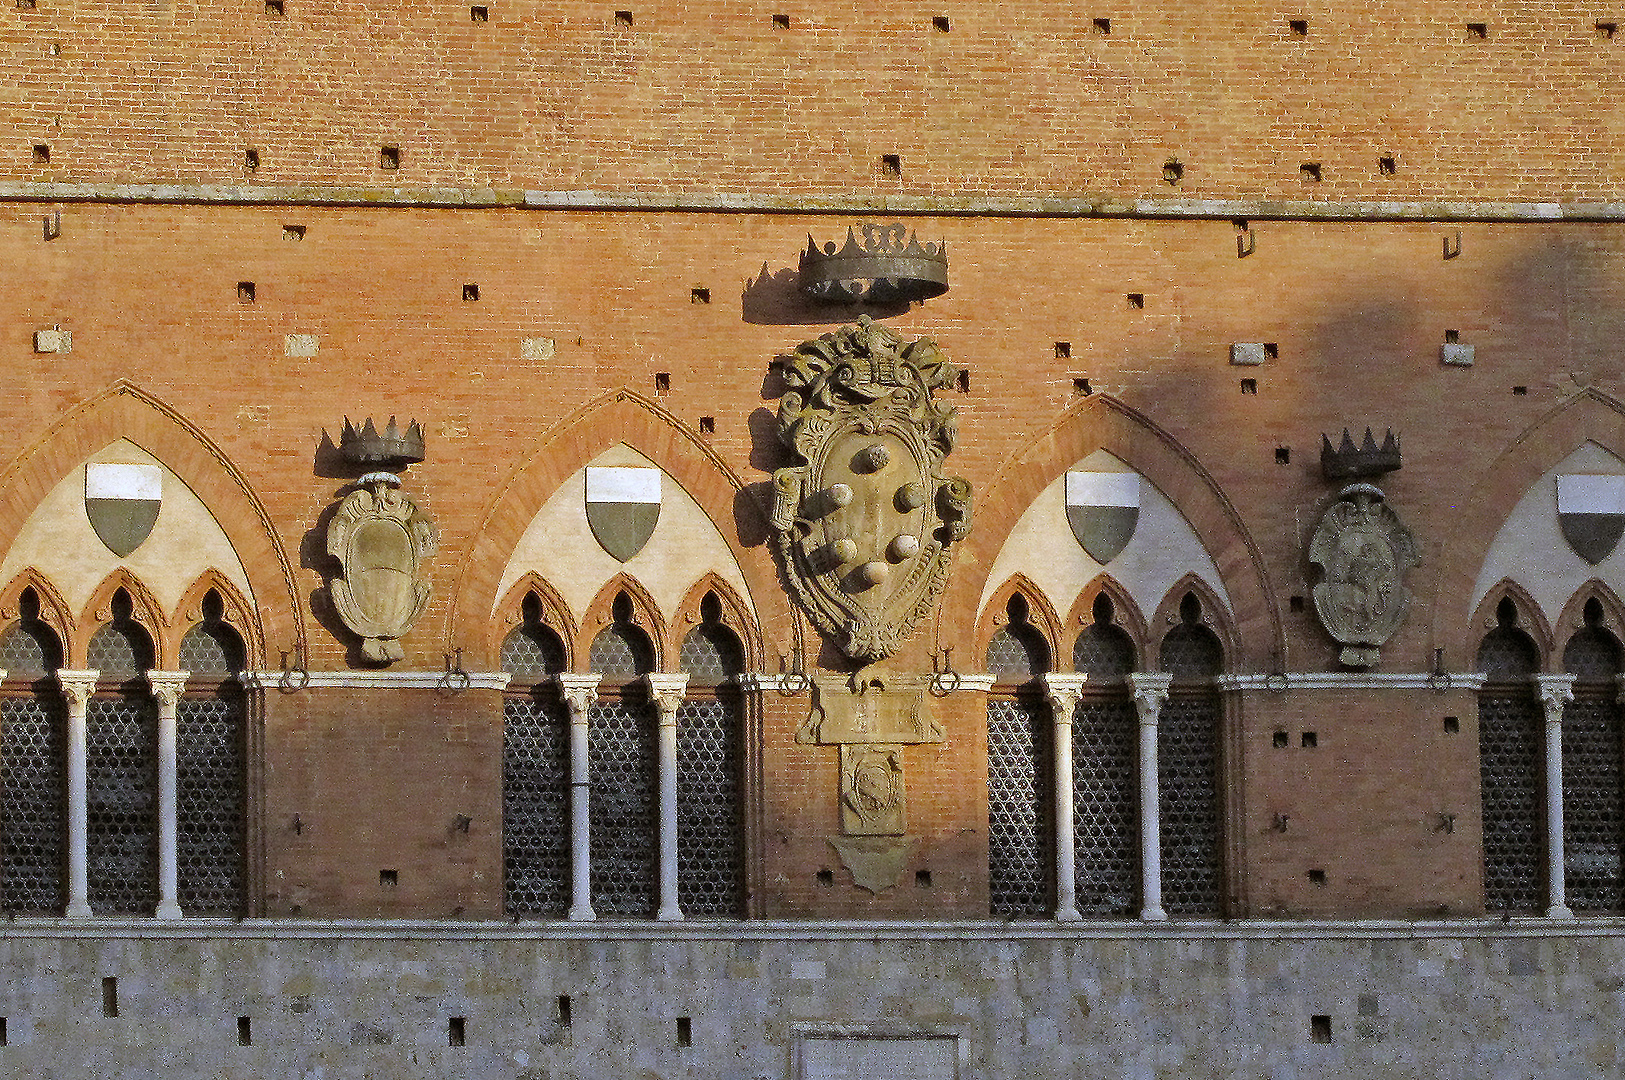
[(1363, 462), (890, 265), (390, 448)]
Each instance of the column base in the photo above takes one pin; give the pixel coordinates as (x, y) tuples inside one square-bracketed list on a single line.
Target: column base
[(1153, 914), (670, 914), (582, 913), (1067, 914), (170, 910), (80, 910), (1559, 911)]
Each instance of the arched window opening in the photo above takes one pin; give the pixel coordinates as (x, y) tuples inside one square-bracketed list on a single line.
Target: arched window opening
[(1512, 767), (621, 650), (621, 739), (1020, 770), (211, 753), (535, 771), (32, 752), (710, 763), (1188, 762), (1018, 651), (121, 742), (1104, 651), (1593, 795)]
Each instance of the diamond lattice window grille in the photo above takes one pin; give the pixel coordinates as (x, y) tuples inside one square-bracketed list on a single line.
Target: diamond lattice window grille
[(1188, 790), (32, 733), (710, 810), (625, 841), (1511, 765), (121, 738), (1020, 822), (1105, 805), (536, 805), (211, 802)]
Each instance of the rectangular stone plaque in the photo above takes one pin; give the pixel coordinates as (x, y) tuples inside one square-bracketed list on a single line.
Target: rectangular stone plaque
[(933, 1057)]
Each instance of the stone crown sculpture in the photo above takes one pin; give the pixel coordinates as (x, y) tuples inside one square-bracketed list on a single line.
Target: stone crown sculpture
[(890, 265), (1364, 462), (391, 448), (864, 526)]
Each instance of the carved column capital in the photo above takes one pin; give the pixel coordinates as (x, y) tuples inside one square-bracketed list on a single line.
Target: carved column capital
[(666, 691), (1150, 689), (167, 686), (77, 686), (579, 691), (1555, 691), (1063, 689)]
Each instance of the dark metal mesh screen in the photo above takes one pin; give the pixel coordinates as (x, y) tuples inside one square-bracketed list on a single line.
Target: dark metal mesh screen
[(1188, 786), (212, 649), (120, 648), (1017, 653), (1592, 655), (1020, 795), (1592, 811), (121, 736), (711, 654), (621, 651), (29, 650), (1508, 655), (211, 797), (532, 653), (621, 741), (1103, 652), (1512, 771), (710, 813), (536, 805), (1105, 782), (31, 804), (1191, 651)]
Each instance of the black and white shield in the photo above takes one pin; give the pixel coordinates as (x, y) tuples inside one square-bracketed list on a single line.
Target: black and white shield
[(1103, 508), (1591, 513), (623, 505), (122, 502)]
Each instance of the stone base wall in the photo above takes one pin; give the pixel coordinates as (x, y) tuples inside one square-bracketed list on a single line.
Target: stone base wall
[(381, 1000)]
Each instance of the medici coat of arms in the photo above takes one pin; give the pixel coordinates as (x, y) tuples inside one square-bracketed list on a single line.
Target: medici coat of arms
[(866, 524)]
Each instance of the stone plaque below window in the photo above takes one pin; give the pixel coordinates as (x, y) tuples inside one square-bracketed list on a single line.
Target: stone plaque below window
[(867, 1058)]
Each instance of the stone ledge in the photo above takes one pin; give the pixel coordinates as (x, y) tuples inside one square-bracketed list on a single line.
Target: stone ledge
[(851, 930), (461, 198)]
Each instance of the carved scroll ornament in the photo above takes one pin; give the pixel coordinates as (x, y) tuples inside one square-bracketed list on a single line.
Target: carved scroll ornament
[(1364, 551), (383, 543), (864, 527)]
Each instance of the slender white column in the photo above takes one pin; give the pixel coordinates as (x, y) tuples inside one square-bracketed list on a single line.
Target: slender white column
[(580, 691), (77, 686), (1150, 692), (166, 688), (667, 692), (1064, 689), (1555, 690)]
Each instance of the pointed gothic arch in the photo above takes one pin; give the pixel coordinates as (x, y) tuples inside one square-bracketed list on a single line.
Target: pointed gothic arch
[(1531, 620), (1214, 617), (236, 613), (1572, 618), (1101, 422), (53, 610), (734, 615), (125, 411), (145, 612), (1126, 613), (1588, 416), (1041, 617), (645, 615), (620, 416), (555, 615)]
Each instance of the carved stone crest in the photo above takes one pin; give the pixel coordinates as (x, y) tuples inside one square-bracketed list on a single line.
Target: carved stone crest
[(382, 542), (872, 796), (864, 527), (1364, 552)]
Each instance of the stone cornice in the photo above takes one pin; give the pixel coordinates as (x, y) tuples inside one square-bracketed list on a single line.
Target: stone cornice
[(376, 680), (451, 197), (1353, 680)]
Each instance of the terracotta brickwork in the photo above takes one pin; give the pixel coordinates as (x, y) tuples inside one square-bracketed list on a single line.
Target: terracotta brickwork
[(226, 312), (671, 98)]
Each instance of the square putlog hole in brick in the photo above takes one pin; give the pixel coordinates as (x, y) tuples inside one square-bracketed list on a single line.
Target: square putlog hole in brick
[(389, 157), (251, 160), (891, 166), (1103, 27), (623, 18), (479, 14), (1607, 30), (781, 22), (1387, 165), (276, 9), (42, 154), (1309, 172), (471, 291), (245, 292), (941, 24), (1477, 31), (1172, 172), (1320, 1029), (1298, 27), (294, 233)]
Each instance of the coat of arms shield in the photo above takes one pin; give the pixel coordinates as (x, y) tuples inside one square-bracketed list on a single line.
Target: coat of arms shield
[(122, 502)]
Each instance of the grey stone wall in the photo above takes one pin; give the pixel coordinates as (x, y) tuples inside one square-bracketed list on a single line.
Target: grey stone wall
[(375, 1001)]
